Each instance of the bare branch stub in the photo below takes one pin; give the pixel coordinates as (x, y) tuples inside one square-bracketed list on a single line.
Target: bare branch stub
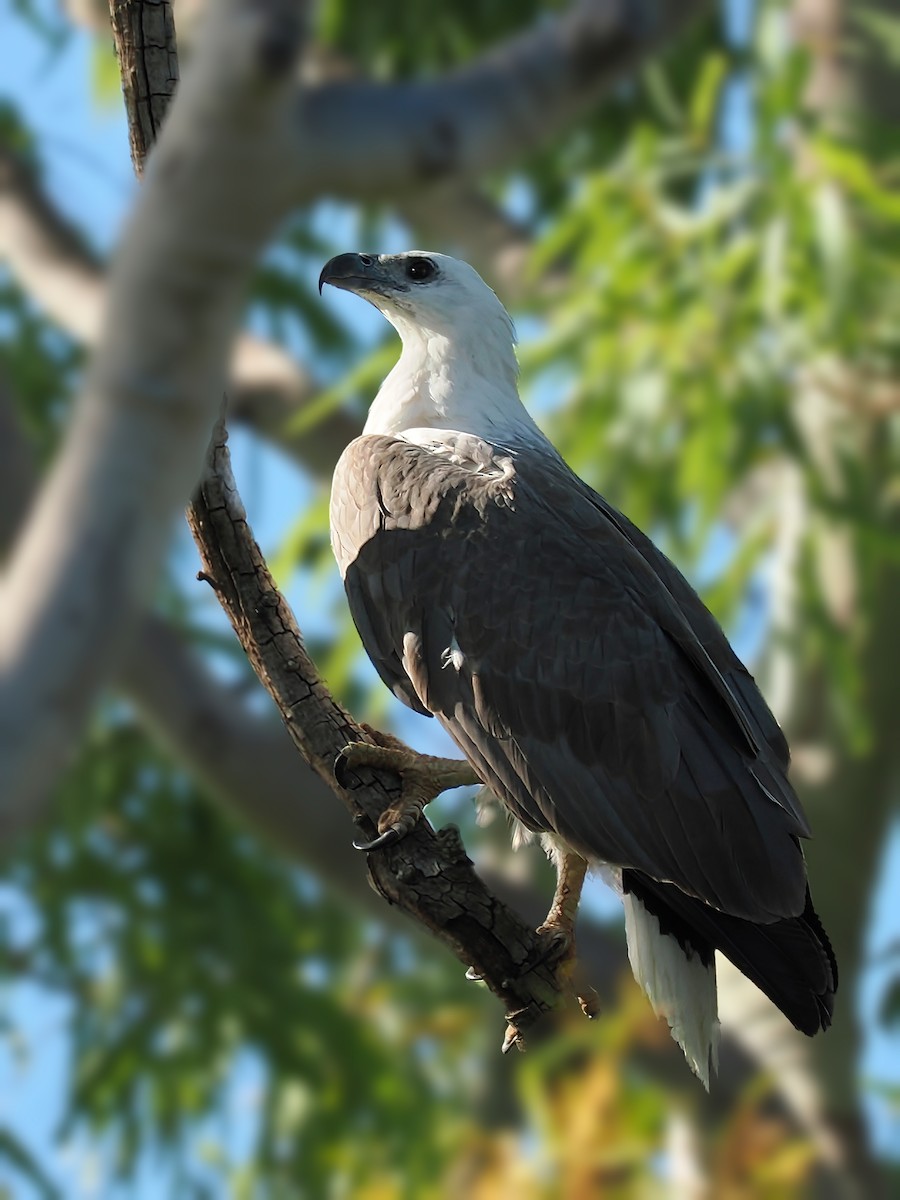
[(427, 874), (144, 35)]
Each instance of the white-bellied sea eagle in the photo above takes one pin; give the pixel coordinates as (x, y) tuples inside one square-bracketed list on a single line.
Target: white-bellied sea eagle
[(573, 665)]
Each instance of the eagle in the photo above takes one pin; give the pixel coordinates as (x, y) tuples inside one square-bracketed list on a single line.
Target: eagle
[(583, 679)]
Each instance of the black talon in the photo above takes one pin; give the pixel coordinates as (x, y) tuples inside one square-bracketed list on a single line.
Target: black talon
[(387, 838), (340, 769)]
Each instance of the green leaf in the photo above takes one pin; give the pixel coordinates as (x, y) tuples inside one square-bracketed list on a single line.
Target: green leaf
[(705, 99)]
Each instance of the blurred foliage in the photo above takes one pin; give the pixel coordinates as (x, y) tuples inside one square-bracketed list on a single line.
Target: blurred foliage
[(39, 364), (415, 39), (181, 943), (709, 285)]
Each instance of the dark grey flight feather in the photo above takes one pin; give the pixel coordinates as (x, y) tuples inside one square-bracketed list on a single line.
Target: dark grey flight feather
[(583, 678)]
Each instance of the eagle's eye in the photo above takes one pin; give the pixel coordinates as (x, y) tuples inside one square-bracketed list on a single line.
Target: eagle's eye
[(420, 269)]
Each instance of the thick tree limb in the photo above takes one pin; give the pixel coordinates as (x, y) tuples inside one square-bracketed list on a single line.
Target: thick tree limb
[(380, 140), (266, 386), (46, 254), (251, 767), (52, 263), (414, 873), (427, 875), (92, 547), (271, 390)]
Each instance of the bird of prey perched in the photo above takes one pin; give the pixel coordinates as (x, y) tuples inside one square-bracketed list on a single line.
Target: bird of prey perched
[(573, 665)]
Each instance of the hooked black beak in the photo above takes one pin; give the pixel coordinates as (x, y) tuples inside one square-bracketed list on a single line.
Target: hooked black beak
[(348, 271)]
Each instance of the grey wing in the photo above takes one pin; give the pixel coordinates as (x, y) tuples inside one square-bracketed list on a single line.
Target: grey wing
[(774, 754), (572, 681)]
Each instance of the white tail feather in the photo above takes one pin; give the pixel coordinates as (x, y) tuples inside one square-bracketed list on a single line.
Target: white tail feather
[(680, 988)]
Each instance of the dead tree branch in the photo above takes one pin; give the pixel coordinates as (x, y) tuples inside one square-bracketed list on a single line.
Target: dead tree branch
[(249, 766)]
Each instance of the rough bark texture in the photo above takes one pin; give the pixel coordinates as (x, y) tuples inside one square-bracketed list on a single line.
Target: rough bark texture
[(429, 875), (144, 35), (247, 761), (445, 145), (249, 765)]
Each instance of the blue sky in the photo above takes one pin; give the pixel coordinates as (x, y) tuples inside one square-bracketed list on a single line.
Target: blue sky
[(88, 173)]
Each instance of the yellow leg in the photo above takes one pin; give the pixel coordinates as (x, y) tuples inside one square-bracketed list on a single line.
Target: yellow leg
[(559, 924), (571, 869)]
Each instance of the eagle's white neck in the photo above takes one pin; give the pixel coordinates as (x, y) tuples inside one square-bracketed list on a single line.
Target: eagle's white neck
[(463, 380)]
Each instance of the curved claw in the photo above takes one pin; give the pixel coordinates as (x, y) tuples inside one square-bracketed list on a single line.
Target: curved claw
[(340, 768), (390, 835), (512, 1038), (589, 1002)]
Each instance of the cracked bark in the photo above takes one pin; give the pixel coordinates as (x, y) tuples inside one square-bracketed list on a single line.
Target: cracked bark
[(184, 260), (144, 36), (246, 761)]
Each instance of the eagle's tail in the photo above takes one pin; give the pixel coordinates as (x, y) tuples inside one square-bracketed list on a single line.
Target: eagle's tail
[(680, 983), (790, 960)]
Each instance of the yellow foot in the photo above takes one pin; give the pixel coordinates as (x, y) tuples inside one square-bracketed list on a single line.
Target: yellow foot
[(422, 777), (559, 937)]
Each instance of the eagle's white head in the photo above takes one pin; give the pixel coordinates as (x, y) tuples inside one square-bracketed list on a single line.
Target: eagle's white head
[(457, 370)]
